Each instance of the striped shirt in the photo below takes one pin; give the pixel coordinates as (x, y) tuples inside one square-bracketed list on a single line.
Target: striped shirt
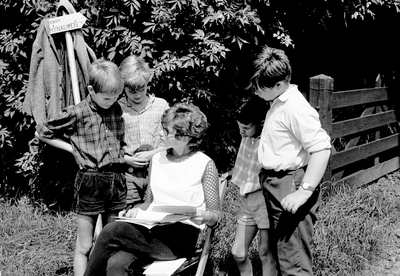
[(143, 127), (96, 135), (246, 170)]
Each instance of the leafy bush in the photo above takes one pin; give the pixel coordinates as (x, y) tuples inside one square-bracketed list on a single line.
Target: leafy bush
[(193, 47), (201, 51)]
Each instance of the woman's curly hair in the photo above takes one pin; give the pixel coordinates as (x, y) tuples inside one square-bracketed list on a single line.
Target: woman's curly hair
[(187, 120)]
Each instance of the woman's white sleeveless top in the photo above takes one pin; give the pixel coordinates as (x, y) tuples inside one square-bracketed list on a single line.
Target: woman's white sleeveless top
[(178, 183)]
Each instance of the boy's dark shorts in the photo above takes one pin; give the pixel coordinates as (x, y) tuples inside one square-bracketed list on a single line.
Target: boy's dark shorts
[(99, 192)]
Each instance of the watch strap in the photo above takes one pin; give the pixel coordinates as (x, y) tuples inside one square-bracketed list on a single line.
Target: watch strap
[(307, 187)]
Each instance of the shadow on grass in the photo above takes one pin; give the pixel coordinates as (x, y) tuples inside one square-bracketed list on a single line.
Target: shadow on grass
[(353, 229)]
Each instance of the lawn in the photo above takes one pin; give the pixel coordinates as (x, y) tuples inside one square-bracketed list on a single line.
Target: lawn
[(355, 228)]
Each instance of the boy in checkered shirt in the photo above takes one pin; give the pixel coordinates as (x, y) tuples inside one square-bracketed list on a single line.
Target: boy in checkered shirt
[(253, 216), (95, 131)]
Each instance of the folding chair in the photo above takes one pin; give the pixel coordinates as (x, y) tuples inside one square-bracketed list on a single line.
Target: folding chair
[(202, 254)]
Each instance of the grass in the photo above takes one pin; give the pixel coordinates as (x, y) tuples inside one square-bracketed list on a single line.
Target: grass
[(34, 241), (355, 228)]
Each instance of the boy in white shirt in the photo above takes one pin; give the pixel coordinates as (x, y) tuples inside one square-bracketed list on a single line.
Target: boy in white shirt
[(294, 152)]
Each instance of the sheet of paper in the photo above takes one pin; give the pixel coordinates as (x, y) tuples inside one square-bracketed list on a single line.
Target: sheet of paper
[(182, 210), (150, 218), (151, 215), (163, 268)]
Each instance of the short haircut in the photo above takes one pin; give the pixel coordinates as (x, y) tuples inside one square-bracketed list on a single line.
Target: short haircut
[(135, 72), (186, 120), (253, 111), (272, 65), (104, 77)]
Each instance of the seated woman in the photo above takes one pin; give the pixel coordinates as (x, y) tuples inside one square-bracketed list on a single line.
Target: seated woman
[(181, 176)]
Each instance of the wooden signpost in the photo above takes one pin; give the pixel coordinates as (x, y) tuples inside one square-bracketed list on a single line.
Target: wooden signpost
[(67, 23)]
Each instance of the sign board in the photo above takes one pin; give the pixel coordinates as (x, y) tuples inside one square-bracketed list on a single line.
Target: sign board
[(66, 23)]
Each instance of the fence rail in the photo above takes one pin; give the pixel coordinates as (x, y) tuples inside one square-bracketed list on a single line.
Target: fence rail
[(364, 128)]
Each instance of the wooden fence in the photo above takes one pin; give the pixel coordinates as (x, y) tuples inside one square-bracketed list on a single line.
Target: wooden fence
[(364, 128)]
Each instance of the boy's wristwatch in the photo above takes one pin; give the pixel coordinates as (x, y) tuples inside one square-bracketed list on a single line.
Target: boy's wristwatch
[(307, 187)]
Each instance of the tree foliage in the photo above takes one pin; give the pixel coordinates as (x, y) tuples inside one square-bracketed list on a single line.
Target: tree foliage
[(201, 52)]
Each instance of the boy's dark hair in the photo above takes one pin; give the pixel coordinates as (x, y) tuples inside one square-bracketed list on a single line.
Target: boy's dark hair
[(272, 65), (253, 111)]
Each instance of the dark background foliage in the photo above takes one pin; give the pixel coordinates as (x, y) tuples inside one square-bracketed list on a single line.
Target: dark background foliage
[(201, 51)]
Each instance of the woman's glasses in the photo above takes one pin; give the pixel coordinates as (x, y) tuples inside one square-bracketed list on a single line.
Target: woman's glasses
[(167, 133)]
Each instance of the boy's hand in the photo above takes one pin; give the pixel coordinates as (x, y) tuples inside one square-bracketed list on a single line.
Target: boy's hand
[(134, 161), (144, 155), (292, 202)]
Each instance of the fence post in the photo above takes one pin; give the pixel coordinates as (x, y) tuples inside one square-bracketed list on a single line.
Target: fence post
[(321, 89)]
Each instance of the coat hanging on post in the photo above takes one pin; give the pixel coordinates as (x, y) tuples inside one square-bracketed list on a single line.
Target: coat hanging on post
[(49, 87)]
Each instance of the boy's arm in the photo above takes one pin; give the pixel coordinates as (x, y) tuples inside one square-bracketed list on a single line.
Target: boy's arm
[(147, 155), (58, 143), (134, 161), (316, 167), (141, 158), (315, 171)]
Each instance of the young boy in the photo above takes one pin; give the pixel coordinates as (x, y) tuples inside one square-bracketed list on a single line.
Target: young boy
[(253, 211), (294, 151), (142, 114), (95, 130)]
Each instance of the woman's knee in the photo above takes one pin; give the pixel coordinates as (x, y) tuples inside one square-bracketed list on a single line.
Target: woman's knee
[(112, 229), (118, 264)]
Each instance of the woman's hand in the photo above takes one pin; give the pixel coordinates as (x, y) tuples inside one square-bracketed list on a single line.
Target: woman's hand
[(122, 213), (202, 217), (131, 213)]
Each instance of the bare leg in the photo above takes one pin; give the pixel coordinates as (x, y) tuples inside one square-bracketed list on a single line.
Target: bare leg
[(240, 249), (266, 255), (84, 242)]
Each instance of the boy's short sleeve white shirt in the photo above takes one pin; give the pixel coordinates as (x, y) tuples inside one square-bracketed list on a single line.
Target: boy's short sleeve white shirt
[(292, 130)]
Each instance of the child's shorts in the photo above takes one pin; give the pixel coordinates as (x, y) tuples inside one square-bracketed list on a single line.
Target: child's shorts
[(99, 192), (253, 210)]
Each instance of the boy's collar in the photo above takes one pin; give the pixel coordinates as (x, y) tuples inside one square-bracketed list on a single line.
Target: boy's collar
[(93, 104), (292, 88)]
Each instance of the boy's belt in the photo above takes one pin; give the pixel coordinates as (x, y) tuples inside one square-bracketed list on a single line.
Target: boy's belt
[(281, 173), (114, 167)]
